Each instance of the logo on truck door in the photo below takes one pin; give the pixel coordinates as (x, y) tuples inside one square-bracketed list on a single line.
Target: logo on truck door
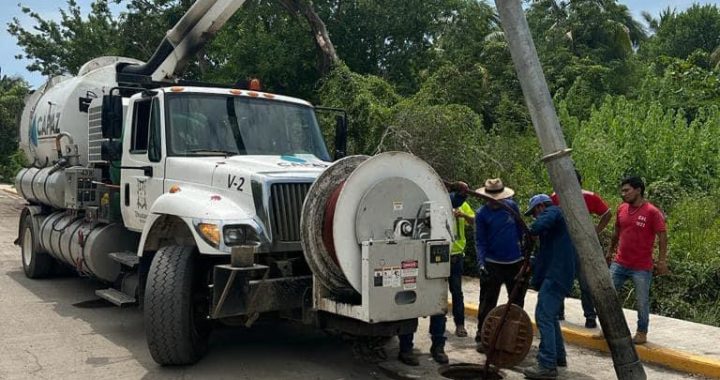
[(141, 194)]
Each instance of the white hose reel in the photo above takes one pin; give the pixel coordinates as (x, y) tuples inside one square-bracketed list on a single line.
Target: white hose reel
[(360, 199)]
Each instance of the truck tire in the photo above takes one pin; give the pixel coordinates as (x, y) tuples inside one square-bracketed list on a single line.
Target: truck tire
[(36, 263), (176, 326)]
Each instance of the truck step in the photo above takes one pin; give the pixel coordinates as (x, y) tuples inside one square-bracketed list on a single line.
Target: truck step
[(115, 297), (129, 259)]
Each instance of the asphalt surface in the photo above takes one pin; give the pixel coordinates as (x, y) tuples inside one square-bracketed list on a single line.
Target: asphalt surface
[(58, 329)]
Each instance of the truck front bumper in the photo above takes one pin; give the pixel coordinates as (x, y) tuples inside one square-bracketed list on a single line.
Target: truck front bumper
[(238, 292)]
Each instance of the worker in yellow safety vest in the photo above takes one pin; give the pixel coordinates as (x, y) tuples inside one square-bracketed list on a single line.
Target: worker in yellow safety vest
[(464, 216)]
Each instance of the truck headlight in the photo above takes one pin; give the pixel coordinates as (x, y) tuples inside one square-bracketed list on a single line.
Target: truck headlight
[(234, 235), (209, 232)]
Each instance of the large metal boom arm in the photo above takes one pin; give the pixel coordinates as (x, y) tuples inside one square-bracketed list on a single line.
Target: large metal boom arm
[(198, 26)]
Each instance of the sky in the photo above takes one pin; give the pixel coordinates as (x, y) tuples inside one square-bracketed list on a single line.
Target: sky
[(49, 10)]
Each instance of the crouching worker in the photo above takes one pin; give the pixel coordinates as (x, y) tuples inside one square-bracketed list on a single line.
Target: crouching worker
[(554, 271)]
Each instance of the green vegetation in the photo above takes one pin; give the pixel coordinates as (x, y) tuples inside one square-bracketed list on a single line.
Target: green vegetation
[(435, 78), (12, 95)]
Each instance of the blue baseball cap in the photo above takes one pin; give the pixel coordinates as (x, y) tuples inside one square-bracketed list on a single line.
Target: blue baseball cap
[(536, 200)]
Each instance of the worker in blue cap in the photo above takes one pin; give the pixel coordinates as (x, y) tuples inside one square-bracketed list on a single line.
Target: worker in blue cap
[(553, 274)]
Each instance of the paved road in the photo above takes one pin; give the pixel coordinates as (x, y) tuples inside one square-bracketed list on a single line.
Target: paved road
[(57, 329)]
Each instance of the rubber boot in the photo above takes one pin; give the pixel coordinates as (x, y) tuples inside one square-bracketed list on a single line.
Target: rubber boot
[(438, 354), (408, 358)]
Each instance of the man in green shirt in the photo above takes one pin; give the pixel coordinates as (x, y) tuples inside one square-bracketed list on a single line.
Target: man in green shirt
[(464, 215)]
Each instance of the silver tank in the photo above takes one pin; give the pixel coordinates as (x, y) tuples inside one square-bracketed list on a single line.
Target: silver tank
[(46, 186), (85, 245), (54, 108)]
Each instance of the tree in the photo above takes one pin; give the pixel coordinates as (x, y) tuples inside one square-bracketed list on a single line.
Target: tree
[(464, 33), (679, 34), (61, 47), (603, 29), (265, 41), (587, 49), (393, 39), (326, 49), (12, 96), (272, 40)]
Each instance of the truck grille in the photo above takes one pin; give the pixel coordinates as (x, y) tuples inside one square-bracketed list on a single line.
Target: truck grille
[(286, 200)]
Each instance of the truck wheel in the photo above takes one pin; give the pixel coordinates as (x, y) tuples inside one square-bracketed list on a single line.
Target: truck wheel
[(175, 309), (36, 263)]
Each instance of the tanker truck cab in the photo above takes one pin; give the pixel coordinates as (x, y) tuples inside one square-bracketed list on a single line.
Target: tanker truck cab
[(210, 156)]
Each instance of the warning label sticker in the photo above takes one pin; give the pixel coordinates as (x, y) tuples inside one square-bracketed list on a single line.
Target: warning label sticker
[(397, 206), (391, 277), (409, 283), (409, 268)]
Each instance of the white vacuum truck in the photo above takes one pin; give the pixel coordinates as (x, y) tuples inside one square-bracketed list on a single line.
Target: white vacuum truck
[(207, 204)]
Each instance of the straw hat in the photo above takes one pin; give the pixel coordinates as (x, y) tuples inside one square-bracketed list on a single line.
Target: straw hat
[(495, 189)]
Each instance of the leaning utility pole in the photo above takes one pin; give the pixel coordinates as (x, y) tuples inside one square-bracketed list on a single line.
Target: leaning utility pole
[(562, 175)]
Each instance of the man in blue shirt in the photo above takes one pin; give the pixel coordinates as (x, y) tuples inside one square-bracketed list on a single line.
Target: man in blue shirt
[(553, 275), (497, 240)]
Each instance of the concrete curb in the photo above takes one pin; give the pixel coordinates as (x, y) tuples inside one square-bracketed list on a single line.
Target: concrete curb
[(649, 352)]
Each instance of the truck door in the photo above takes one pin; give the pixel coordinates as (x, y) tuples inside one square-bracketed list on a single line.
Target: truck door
[(143, 160)]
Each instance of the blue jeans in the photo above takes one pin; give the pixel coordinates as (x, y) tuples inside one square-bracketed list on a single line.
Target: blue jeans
[(642, 279), (458, 302), (437, 334), (552, 346)]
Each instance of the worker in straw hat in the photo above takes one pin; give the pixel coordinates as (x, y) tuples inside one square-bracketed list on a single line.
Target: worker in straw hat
[(497, 241)]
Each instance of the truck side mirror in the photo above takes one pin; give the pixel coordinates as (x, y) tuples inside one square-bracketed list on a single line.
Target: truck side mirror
[(111, 150), (341, 131), (112, 116)]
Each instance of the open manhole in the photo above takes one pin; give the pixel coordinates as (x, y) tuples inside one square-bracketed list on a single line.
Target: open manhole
[(467, 371)]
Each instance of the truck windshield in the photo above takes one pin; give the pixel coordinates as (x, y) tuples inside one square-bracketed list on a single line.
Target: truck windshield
[(203, 124)]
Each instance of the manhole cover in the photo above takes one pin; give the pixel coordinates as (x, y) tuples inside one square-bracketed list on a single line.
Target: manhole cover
[(513, 340), (466, 371)]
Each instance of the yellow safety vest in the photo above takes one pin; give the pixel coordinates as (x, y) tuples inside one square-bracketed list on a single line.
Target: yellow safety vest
[(458, 247)]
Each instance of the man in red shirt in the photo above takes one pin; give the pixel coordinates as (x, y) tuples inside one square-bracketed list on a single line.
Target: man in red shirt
[(637, 224), (598, 207)]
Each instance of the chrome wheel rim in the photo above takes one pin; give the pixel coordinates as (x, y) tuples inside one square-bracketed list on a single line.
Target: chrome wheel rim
[(27, 247)]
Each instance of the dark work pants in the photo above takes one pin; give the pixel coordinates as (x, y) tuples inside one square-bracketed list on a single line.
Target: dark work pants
[(458, 302), (437, 334), (585, 299), (490, 290)]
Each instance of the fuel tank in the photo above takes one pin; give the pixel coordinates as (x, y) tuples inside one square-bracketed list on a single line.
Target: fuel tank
[(86, 246)]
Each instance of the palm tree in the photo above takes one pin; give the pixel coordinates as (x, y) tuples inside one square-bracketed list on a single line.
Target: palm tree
[(593, 24), (656, 23)]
